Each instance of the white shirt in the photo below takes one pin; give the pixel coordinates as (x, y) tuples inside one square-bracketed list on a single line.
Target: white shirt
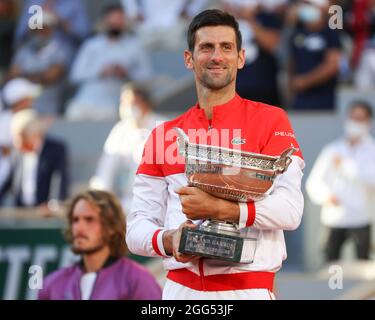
[(100, 51), (87, 284), (352, 183), (29, 177), (100, 96), (121, 156), (161, 14)]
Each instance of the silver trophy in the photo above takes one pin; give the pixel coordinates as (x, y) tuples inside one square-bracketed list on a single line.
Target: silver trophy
[(228, 174)]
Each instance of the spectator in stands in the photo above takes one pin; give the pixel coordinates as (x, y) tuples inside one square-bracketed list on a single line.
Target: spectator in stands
[(103, 64), (71, 19), (18, 94), (260, 26), (343, 182), (40, 173), (358, 24), (123, 148), (44, 59), (365, 74), (7, 25), (96, 229), (314, 58), (161, 23)]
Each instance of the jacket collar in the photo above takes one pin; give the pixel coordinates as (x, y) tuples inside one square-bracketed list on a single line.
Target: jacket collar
[(219, 111), (110, 261)]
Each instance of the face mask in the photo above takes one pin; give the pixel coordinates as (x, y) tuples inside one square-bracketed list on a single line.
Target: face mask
[(136, 113), (130, 112), (355, 129), (39, 41), (114, 32), (308, 13)]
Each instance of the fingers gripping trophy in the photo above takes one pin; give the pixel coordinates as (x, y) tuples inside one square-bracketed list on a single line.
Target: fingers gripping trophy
[(229, 174)]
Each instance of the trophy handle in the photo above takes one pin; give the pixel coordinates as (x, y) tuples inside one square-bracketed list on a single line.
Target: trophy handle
[(182, 141), (284, 160)]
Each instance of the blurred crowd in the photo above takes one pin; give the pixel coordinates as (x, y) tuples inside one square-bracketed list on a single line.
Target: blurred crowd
[(297, 52)]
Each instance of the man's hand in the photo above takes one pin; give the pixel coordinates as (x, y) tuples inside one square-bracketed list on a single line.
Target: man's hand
[(333, 201), (337, 161), (113, 70), (171, 242), (45, 211), (5, 151), (298, 84), (197, 204)]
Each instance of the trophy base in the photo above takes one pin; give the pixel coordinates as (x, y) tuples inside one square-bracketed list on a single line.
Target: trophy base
[(217, 245)]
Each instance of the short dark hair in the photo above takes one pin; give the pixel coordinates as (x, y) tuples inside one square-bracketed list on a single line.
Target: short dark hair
[(212, 18), (110, 8), (142, 92), (364, 105)]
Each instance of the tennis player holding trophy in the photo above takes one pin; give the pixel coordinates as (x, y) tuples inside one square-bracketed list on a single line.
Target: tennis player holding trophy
[(218, 185)]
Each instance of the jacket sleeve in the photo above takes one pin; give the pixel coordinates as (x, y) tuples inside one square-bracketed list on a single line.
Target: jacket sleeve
[(43, 294), (146, 218), (282, 208), (143, 285)]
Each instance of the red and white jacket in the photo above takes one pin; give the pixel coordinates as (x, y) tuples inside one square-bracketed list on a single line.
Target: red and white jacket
[(252, 126)]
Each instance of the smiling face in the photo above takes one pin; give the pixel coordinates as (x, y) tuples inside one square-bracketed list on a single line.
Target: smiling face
[(215, 58), (87, 230)]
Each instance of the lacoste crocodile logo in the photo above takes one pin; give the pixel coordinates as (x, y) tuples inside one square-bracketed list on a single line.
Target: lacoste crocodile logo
[(238, 141)]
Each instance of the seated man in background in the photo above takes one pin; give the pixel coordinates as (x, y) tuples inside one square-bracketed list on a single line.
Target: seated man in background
[(96, 229), (102, 66), (160, 27), (41, 163), (18, 94), (44, 60), (123, 148), (71, 16)]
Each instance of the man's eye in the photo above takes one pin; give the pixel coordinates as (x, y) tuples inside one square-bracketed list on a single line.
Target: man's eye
[(206, 48)]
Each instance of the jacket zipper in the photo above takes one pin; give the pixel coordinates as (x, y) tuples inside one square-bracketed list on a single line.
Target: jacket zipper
[(209, 131)]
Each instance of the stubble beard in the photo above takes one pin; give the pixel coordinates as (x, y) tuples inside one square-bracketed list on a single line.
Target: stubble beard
[(92, 250), (216, 84)]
